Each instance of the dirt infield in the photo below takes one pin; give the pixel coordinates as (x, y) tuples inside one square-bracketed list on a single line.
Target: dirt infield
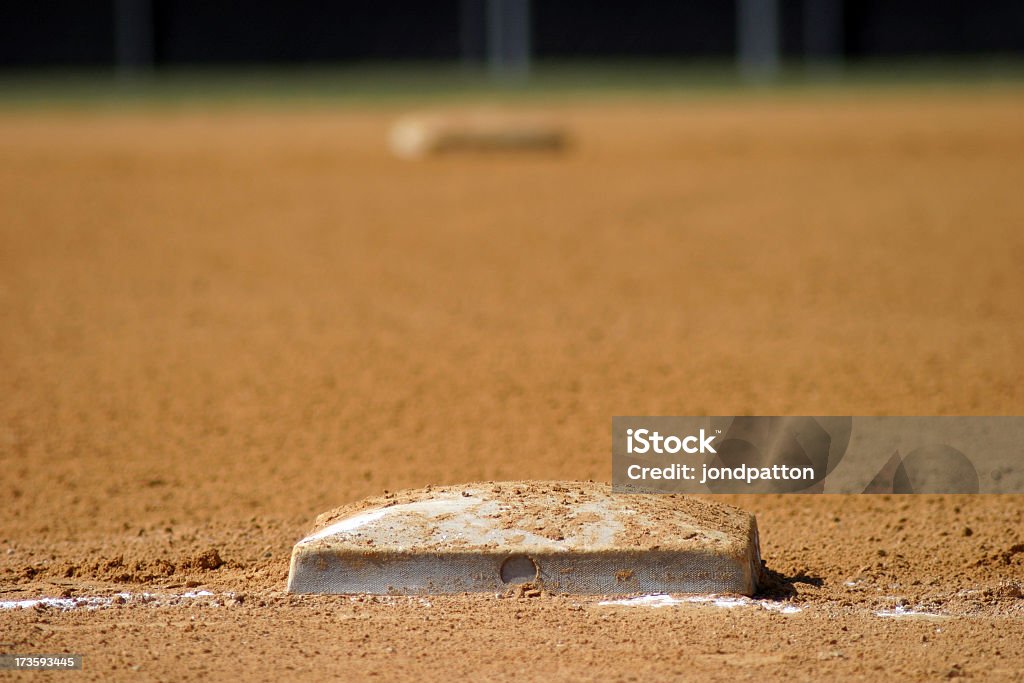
[(217, 324)]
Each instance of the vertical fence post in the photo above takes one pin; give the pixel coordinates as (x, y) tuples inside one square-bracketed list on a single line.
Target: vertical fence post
[(133, 36), (823, 33), (508, 38), (757, 39), (472, 38)]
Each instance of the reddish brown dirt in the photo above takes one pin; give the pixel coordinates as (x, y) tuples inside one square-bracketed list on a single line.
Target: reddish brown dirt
[(215, 325)]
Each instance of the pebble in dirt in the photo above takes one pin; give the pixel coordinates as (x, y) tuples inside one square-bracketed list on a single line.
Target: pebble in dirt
[(569, 537)]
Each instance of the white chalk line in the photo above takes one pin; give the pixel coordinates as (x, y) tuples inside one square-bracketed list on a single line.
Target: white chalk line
[(721, 601), (901, 612), (92, 603), (98, 602), (731, 602)]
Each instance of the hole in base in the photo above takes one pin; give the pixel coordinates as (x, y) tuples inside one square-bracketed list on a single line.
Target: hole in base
[(519, 569)]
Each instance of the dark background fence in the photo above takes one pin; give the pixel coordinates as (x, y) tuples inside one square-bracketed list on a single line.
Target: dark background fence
[(190, 32)]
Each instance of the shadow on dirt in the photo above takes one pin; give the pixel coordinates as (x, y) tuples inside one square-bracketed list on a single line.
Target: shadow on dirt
[(776, 586)]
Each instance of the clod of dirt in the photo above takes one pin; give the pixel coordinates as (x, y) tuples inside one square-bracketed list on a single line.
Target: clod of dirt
[(207, 560), (530, 589)]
